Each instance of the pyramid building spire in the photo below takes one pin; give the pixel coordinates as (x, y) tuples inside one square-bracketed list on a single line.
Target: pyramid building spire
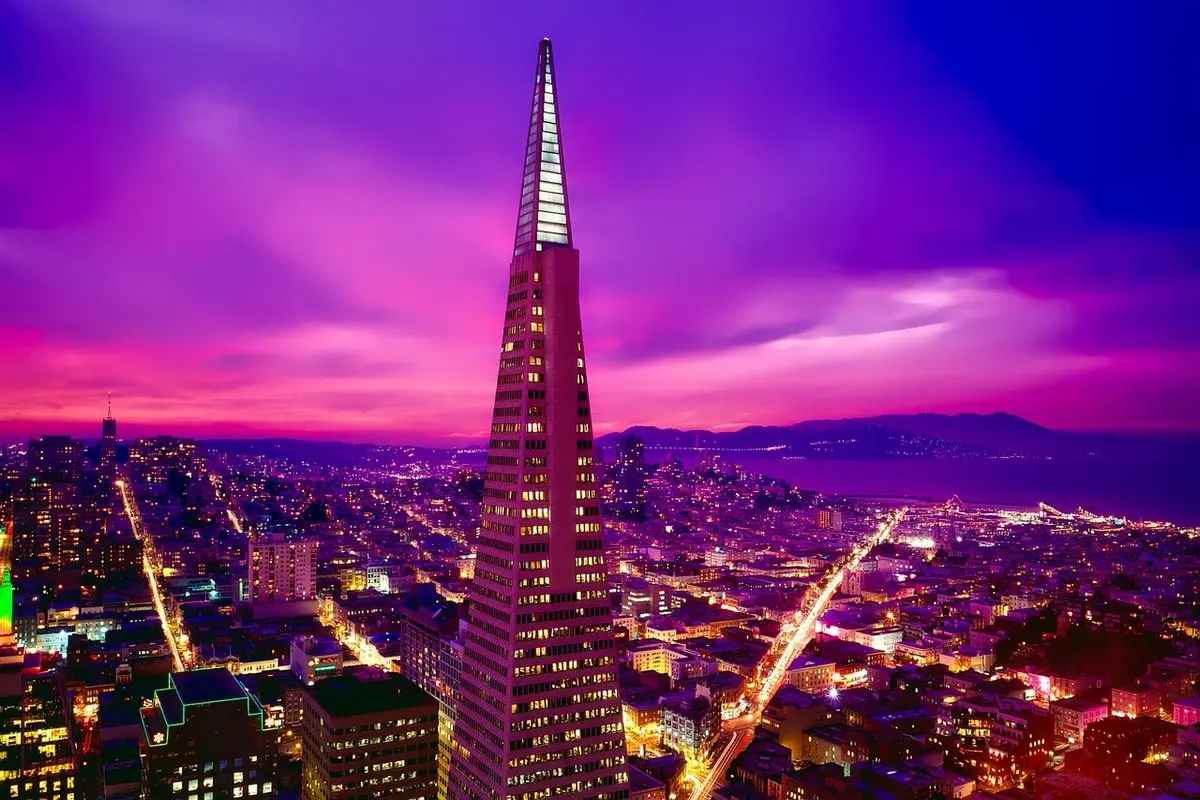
[(543, 217), (538, 712)]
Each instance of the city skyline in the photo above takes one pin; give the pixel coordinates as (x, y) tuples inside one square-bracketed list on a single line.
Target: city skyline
[(222, 224), (271, 220)]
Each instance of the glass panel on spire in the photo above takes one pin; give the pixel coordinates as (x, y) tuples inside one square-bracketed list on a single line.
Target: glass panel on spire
[(543, 217)]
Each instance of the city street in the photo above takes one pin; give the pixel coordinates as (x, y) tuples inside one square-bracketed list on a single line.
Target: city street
[(135, 521), (797, 636)]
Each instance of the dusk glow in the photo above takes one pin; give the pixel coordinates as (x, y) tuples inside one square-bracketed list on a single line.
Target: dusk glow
[(296, 218)]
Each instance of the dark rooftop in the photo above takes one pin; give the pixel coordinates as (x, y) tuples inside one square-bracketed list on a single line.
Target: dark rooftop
[(207, 686), (367, 691), (641, 782)]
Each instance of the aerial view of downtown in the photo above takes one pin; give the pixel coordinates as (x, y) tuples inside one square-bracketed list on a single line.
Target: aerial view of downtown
[(624, 401)]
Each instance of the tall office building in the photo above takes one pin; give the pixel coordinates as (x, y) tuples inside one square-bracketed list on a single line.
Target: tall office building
[(46, 527), (206, 736), (282, 570), (58, 459), (37, 757), (629, 478), (367, 734), (46, 505), (431, 657), (165, 459), (108, 442), (538, 712)]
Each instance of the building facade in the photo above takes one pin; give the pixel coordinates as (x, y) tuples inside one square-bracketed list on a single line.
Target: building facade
[(58, 459), (314, 658), (47, 530), (206, 736), (811, 674), (282, 570), (162, 459), (690, 726), (1072, 717), (369, 733), (37, 756), (539, 714), (629, 478)]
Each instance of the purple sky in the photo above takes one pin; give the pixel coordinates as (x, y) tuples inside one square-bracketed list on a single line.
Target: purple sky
[(295, 217)]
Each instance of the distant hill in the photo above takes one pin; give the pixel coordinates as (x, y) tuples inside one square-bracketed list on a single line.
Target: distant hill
[(889, 437), (896, 436)]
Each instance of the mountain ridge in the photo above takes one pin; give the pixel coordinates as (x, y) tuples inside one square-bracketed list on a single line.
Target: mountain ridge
[(883, 437), (923, 435)]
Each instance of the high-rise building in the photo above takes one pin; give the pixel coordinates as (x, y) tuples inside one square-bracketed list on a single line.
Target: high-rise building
[(427, 624), (47, 529), (829, 519), (108, 442), (282, 570), (538, 713), (37, 754), (206, 736), (431, 657), (163, 459), (57, 459), (45, 526), (369, 733), (629, 478)]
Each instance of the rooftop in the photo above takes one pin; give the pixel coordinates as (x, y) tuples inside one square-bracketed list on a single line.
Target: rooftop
[(809, 661), (1079, 704), (367, 691), (641, 782), (207, 686), (693, 708)]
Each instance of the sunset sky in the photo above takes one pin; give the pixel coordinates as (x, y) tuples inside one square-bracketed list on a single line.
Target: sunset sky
[(291, 217)]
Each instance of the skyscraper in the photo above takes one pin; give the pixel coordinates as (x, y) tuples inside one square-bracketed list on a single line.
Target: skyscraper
[(538, 712), (46, 506), (56, 458), (629, 478), (108, 442), (282, 572), (37, 755), (207, 736)]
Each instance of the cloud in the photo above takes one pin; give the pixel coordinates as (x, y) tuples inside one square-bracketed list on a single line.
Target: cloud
[(286, 219)]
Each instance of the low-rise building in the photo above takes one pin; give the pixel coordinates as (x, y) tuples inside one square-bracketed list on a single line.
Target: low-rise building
[(1072, 717), (690, 726), (313, 658), (811, 674), (1136, 700), (1186, 712)]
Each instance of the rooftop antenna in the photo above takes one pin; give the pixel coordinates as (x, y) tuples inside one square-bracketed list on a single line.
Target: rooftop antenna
[(110, 405)]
